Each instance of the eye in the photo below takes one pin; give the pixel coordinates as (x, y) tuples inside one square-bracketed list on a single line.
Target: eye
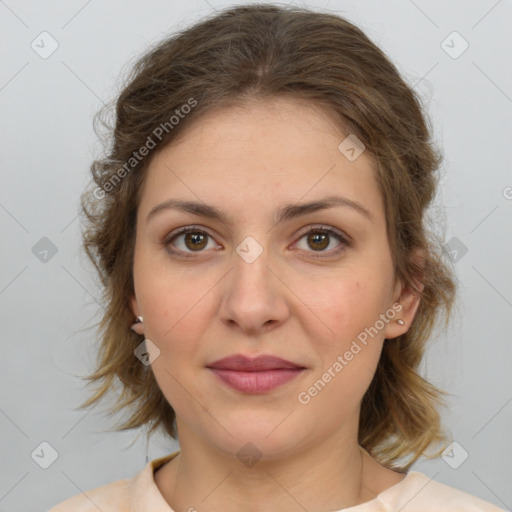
[(319, 238), (192, 238)]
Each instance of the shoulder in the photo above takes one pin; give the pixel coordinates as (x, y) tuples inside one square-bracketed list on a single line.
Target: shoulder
[(419, 493), (107, 498), (137, 493)]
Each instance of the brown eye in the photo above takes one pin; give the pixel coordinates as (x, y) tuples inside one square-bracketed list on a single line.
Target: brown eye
[(188, 240), (319, 239), (195, 241)]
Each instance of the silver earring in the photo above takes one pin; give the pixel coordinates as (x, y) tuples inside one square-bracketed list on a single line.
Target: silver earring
[(400, 321), (138, 320)]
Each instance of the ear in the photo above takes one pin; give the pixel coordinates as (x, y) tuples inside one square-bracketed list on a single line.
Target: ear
[(406, 301), (136, 327), (134, 306)]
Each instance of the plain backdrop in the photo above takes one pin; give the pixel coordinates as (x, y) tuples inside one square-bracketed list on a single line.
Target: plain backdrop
[(48, 290)]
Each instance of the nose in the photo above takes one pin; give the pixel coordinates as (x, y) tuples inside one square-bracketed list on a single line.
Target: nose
[(254, 296)]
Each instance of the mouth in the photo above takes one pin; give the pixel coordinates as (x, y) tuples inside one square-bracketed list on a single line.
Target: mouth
[(255, 375)]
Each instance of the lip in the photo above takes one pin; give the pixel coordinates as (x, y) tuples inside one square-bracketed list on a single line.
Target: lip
[(239, 362), (255, 375)]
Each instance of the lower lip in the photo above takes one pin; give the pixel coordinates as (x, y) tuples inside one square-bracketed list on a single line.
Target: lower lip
[(257, 382)]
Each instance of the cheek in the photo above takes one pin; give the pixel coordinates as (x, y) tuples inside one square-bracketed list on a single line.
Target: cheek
[(343, 307), (348, 351), (347, 356), (177, 314), (173, 297)]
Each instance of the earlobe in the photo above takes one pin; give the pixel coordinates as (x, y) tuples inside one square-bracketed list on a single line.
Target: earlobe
[(137, 325), (404, 314), (409, 299)]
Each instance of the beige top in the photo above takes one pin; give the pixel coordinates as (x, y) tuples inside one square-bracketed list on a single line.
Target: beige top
[(415, 493)]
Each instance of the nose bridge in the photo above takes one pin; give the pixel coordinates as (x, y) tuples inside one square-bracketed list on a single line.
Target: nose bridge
[(252, 296), (251, 260), (250, 250)]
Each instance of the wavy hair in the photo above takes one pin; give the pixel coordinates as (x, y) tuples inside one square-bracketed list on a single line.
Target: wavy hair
[(254, 52)]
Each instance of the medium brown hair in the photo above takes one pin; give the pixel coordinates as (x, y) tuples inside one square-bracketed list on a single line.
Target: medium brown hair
[(258, 52)]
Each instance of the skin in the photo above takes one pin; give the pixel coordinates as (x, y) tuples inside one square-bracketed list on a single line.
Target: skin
[(247, 161)]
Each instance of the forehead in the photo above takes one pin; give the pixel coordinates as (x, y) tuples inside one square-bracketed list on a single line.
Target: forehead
[(259, 156), (278, 128)]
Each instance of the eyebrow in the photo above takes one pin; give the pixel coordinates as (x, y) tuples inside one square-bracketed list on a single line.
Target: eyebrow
[(282, 213)]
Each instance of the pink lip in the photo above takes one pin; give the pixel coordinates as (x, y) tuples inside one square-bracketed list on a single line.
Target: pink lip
[(239, 362), (255, 375), (257, 382)]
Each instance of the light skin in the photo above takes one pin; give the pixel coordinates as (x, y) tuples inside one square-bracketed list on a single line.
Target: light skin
[(304, 300)]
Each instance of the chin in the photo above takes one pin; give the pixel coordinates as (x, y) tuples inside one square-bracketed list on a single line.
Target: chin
[(267, 438)]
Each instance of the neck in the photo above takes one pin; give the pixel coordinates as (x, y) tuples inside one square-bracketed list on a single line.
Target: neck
[(325, 477)]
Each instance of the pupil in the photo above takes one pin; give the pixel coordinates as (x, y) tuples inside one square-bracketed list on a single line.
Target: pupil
[(196, 238), (315, 239)]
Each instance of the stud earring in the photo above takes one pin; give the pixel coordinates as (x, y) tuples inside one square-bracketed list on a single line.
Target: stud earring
[(136, 326), (400, 321)]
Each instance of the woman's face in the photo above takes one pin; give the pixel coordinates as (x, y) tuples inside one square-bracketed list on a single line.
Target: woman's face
[(258, 284)]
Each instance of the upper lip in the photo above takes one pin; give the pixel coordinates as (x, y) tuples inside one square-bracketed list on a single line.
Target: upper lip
[(239, 362)]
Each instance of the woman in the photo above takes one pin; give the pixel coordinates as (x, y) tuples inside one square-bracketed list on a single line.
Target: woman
[(259, 223)]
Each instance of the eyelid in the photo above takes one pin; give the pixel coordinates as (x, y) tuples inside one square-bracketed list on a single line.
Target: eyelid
[(328, 228), (185, 229)]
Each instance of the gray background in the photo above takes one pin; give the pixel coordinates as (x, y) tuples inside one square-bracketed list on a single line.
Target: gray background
[(47, 307)]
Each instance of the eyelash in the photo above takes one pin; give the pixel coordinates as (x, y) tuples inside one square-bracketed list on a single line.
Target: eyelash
[(344, 242)]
